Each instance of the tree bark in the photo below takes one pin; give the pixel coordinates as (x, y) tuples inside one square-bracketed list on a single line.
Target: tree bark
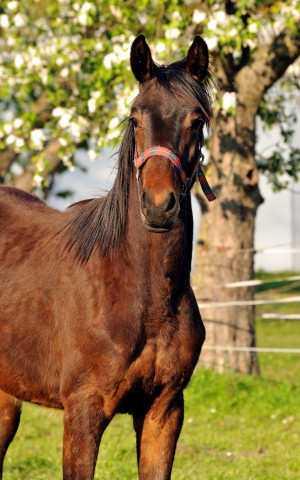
[(225, 247)]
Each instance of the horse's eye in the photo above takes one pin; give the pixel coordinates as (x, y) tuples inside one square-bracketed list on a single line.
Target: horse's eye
[(197, 124), (134, 122)]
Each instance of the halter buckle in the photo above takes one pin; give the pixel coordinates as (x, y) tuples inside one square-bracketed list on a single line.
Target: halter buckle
[(185, 187)]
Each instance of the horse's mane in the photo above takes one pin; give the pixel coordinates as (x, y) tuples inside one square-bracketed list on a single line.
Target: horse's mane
[(99, 223)]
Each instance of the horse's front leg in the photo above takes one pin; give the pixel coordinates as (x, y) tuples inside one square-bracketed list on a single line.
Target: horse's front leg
[(84, 424), (10, 411), (157, 433)]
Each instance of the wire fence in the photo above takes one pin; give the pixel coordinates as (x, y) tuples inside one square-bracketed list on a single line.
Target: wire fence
[(274, 316)]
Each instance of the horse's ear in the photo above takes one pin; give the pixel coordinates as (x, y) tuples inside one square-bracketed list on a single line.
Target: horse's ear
[(197, 59), (141, 61)]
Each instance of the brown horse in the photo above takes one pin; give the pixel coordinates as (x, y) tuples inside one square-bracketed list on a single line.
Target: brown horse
[(97, 315)]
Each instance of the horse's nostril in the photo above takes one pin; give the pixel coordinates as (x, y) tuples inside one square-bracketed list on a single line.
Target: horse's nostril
[(143, 201), (171, 203)]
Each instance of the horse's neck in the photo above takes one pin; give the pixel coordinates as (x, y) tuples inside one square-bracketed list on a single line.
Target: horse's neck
[(166, 255)]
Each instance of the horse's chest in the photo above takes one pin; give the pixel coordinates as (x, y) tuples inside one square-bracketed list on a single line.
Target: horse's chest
[(161, 364), (163, 360)]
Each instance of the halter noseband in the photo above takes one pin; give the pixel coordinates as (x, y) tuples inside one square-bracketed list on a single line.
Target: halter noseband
[(188, 182)]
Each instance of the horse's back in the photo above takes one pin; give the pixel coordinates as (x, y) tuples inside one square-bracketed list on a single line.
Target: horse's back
[(24, 219), (16, 203)]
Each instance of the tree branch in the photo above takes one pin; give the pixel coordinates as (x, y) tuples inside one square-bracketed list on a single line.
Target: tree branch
[(25, 180), (266, 66), (7, 157), (42, 110), (224, 70)]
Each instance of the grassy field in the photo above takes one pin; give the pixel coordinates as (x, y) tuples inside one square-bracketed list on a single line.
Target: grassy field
[(236, 427)]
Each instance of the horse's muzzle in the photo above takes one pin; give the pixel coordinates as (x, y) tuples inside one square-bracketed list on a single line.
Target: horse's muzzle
[(159, 212)]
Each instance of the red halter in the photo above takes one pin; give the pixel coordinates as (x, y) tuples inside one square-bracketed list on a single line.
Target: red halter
[(188, 182)]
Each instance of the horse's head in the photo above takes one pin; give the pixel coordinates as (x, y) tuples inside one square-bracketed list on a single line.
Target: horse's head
[(170, 112)]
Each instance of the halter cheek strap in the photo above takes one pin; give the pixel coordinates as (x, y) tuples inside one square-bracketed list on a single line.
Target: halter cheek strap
[(188, 182)]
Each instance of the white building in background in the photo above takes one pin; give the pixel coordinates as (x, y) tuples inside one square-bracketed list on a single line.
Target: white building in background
[(295, 221), (277, 233)]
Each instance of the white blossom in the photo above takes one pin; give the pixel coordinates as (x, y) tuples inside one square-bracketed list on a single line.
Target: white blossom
[(160, 47), (58, 112), (176, 16), (113, 134), (43, 73), (229, 100), (82, 18), (212, 43), (109, 59), (96, 94), (19, 143), (65, 72), (64, 120), (62, 141), (277, 27), (4, 21), (250, 43), (172, 33), (10, 139), (18, 60), (122, 53), (220, 17), (253, 28), (143, 18), (12, 5), (114, 123), (124, 99), (77, 127), (36, 61), (19, 20), (37, 137), (18, 122), (67, 162), (92, 105), (212, 24), (122, 105), (76, 67), (198, 16), (98, 47), (38, 179), (116, 11), (92, 154), (7, 128), (11, 42), (87, 7)]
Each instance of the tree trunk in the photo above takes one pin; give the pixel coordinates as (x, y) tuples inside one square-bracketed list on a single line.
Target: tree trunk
[(225, 247)]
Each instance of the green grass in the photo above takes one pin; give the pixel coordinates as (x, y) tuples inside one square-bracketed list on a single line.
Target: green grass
[(236, 427)]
